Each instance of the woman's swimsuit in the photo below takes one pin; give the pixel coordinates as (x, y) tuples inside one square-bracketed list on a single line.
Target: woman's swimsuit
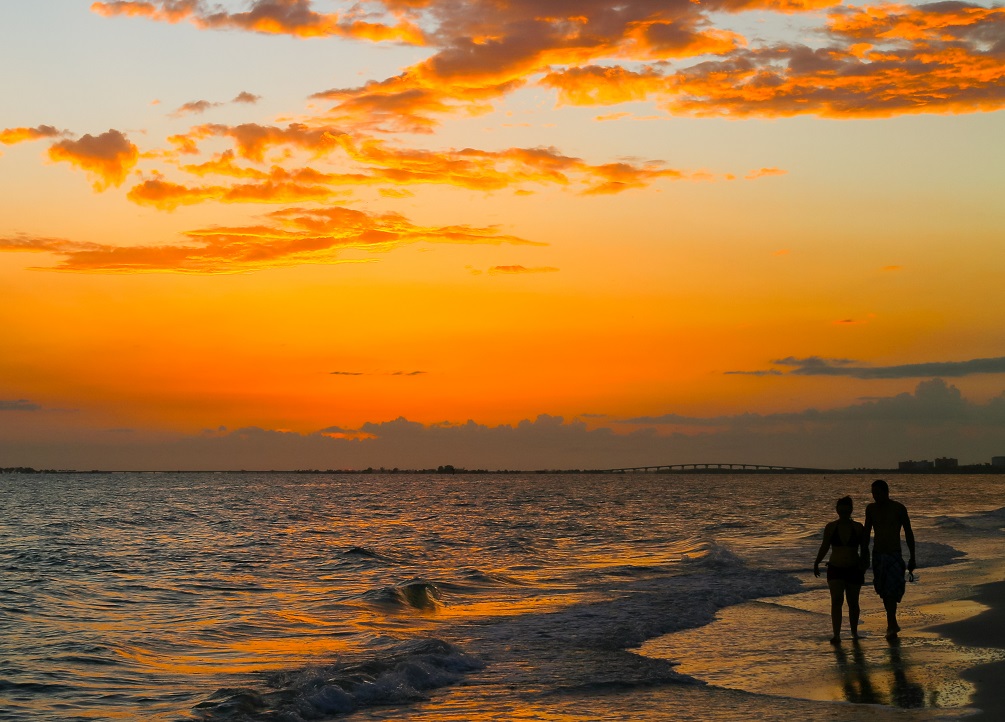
[(849, 575)]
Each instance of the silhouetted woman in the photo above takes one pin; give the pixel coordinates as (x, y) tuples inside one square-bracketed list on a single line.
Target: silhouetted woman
[(849, 547)]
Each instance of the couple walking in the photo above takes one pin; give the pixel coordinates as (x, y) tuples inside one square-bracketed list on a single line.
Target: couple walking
[(849, 544)]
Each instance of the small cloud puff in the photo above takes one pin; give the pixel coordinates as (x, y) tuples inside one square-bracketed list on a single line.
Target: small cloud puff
[(195, 106), (201, 106), (107, 158), (246, 97)]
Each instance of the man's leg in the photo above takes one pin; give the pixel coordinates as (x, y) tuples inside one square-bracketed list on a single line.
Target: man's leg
[(891, 617)]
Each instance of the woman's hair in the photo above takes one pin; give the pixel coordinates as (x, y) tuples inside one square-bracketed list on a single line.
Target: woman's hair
[(844, 501)]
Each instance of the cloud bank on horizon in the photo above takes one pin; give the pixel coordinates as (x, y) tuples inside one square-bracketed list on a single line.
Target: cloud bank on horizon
[(934, 420)]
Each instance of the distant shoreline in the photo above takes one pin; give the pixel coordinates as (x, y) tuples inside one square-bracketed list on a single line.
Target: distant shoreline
[(961, 470)]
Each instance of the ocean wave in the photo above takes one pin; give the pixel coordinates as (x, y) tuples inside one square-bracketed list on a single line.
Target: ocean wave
[(366, 556), (418, 594), (400, 675), (950, 522), (726, 525), (712, 556), (936, 554), (490, 579)]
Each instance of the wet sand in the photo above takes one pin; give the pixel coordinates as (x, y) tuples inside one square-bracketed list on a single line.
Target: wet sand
[(941, 672), (983, 630)]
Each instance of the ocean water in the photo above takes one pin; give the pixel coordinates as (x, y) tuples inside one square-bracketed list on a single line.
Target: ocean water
[(483, 597)]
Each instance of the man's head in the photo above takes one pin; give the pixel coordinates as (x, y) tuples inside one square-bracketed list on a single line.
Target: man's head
[(880, 490)]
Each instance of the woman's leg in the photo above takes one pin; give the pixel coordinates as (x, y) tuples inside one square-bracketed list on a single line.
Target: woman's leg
[(851, 592), (837, 597)]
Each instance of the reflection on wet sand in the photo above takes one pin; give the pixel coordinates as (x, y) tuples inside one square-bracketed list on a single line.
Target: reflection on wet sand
[(855, 676), (904, 692), (862, 682), (770, 648)]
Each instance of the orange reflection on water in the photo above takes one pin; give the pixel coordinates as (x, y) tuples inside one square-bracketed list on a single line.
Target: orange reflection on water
[(240, 657)]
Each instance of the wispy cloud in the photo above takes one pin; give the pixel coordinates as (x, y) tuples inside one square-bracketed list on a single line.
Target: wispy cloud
[(201, 106), (292, 236), (933, 401), (18, 405), (272, 17), (373, 161), (764, 173), (11, 136), (818, 366), (518, 270), (378, 373)]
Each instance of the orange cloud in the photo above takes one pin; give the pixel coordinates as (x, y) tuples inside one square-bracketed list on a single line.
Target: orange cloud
[(875, 61), (106, 158), (369, 161), (253, 140), (764, 172), (41, 244), (411, 102), (946, 22), (273, 17), (10, 136), (596, 85), (884, 61), (293, 236), (617, 177), (168, 196)]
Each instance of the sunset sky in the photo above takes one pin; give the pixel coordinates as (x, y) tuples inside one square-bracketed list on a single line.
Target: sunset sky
[(500, 233)]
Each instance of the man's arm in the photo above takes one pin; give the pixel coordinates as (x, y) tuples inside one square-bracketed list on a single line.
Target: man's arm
[(909, 538), (865, 541)]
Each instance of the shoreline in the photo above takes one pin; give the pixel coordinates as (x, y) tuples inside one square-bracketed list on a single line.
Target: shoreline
[(985, 629)]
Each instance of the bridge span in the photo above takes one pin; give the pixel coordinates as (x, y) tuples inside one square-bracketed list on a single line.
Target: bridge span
[(717, 468)]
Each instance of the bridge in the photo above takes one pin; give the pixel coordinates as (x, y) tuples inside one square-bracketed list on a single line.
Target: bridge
[(717, 468)]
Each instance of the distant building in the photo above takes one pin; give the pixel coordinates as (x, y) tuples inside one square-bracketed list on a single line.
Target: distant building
[(924, 465), (946, 463), (998, 461)]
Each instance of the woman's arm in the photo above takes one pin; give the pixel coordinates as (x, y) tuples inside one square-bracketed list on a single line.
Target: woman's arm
[(863, 552), (824, 546)]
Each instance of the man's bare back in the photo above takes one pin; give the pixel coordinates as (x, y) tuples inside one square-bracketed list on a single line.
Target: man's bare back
[(887, 518)]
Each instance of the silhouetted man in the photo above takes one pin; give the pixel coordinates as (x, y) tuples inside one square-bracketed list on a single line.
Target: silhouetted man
[(887, 517)]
